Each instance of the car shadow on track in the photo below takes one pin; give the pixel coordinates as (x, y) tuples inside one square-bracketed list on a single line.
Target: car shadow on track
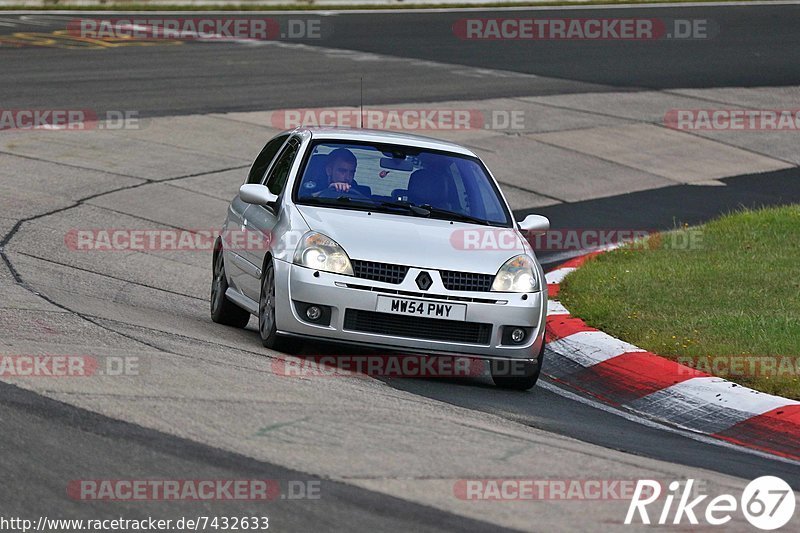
[(545, 408), (470, 373)]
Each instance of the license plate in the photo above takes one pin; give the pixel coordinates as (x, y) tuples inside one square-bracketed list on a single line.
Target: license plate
[(405, 306)]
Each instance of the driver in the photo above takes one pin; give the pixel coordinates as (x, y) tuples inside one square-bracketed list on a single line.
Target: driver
[(340, 170)]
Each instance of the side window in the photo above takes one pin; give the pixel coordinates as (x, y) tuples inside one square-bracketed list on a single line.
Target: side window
[(279, 173), (263, 160)]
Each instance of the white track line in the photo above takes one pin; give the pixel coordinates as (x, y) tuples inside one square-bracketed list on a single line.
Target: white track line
[(558, 275), (709, 404), (554, 308), (550, 387), (588, 348)]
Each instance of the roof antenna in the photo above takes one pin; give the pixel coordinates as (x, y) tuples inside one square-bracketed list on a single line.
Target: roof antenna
[(361, 115)]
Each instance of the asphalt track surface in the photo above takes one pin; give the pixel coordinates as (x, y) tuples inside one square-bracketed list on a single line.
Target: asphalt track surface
[(37, 430), (756, 47)]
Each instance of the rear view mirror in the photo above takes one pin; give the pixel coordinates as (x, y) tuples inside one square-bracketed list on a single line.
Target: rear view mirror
[(393, 163), (252, 193), (535, 223)]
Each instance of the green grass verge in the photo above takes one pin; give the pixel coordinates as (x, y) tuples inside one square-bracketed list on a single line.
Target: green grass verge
[(311, 5), (736, 293)]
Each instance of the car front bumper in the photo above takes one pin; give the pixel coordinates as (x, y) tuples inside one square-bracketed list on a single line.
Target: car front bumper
[(294, 283)]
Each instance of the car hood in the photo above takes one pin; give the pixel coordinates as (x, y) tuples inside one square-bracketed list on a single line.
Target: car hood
[(416, 241)]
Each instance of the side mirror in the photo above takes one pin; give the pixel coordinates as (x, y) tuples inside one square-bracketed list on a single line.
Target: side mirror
[(252, 193), (535, 223)]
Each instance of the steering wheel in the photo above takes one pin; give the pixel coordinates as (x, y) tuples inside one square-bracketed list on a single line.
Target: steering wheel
[(330, 192)]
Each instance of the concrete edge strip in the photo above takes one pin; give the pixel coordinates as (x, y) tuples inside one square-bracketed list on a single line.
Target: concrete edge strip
[(620, 374), (329, 8)]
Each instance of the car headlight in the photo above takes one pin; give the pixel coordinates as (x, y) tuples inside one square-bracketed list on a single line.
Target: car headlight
[(517, 275), (320, 252)]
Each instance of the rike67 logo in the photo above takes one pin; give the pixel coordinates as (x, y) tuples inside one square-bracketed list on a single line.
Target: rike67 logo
[(767, 502)]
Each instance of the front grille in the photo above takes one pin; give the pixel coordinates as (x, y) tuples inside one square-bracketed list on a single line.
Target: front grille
[(466, 281), (384, 272), (417, 327), (428, 295)]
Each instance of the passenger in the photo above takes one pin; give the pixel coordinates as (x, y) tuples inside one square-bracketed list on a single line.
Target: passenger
[(428, 187)]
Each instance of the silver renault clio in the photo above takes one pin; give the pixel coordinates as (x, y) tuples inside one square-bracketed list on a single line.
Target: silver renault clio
[(393, 241)]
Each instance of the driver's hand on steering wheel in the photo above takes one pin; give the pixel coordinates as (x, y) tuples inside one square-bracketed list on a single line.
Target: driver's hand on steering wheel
[(340, 186)]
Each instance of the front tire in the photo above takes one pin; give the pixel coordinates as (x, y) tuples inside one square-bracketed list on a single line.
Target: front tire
[(223, 311), (517, 375), (267, 326)]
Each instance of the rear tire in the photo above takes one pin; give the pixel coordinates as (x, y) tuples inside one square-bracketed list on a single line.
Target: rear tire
[(517, 375), (267, 326), (223, 311)]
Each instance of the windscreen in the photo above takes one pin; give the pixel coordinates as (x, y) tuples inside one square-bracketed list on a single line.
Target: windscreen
[(382, 177)]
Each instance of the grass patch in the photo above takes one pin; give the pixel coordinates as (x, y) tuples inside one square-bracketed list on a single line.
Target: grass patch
[(735, 293)]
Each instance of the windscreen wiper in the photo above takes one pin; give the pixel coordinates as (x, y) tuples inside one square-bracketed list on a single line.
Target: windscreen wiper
[(363, 203), (408, 206), (343, 199), (455, 215)]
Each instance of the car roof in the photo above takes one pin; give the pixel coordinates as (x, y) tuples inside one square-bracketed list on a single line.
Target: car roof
[(382, 136)]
